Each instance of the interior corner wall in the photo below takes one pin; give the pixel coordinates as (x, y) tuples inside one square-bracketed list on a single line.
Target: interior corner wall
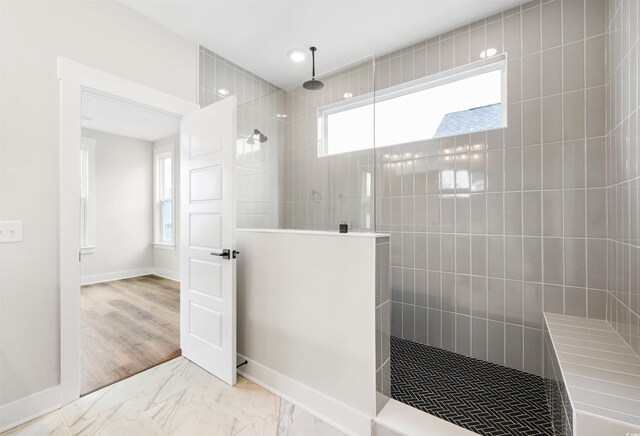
[(260, 106), (124, 209), (166, 262), (105, 35), (623, 171)]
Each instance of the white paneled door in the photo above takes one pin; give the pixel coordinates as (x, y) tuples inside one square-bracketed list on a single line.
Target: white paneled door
[(208, 223)]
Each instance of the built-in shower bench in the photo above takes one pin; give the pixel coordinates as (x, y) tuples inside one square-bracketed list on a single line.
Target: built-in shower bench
[(593, 378)]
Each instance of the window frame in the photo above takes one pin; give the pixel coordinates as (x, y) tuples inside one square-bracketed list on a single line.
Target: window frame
[(88, 198), (159, 155), (494, 63)]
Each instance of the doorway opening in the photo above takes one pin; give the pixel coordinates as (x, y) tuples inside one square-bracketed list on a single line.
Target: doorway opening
[(129, 239), (206, 227)]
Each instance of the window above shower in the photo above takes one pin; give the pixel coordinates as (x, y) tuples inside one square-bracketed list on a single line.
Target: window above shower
[(468, 99)]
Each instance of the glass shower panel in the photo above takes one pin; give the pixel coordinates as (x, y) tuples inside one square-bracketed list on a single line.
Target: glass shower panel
[(259, 160), (286, 177), (328, 186)]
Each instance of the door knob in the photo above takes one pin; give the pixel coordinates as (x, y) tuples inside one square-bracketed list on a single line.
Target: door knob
[(227, 254)]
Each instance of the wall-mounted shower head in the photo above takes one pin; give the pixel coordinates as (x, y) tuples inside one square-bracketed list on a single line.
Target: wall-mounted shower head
[(257, 136), (313, 84)]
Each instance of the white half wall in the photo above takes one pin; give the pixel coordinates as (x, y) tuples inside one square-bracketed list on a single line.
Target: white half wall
[(124, 207), (306, 305), (105, 35)]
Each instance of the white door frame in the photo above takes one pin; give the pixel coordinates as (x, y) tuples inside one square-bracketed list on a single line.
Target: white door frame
[(74, 78)]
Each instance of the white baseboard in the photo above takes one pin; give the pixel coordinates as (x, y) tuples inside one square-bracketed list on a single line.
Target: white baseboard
[(127, 274), (167, 274), (115, 275), (28, 408), (330, 410)]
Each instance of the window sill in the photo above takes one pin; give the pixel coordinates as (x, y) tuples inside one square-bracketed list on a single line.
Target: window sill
[(88, 250), (163, 245)]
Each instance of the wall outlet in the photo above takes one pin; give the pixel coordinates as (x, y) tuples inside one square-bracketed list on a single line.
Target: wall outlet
[(10, 231)]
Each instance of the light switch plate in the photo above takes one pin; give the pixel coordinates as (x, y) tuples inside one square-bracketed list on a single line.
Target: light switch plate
[(10, 231)]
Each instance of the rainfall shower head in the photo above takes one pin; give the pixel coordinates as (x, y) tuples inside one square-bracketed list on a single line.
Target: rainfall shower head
[(313, 84), (257, 136)]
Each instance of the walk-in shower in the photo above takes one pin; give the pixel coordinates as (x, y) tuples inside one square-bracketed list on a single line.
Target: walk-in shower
[(484, 193)]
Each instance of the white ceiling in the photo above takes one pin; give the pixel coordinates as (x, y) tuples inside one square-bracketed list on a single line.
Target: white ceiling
[(256, 34), (126, 119)]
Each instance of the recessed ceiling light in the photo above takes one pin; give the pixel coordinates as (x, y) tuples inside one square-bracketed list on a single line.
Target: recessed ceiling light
[(488, 53), (223, 92), (347, 95), (296, 55)]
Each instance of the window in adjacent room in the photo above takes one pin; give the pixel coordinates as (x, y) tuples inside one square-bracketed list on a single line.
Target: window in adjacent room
[(164, 211), (88, 195)]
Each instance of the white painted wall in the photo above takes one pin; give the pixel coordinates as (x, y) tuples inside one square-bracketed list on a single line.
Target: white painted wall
[(104, 35), (306, 303), (167, 262), (124, 208)]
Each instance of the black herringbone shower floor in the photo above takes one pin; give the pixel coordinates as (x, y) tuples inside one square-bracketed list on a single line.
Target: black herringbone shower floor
[(483, 397)]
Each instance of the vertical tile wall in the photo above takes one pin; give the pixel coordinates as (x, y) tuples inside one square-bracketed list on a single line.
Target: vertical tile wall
[(476, 263), (260, 105), (521, 229), (623, 220), (383, 323)]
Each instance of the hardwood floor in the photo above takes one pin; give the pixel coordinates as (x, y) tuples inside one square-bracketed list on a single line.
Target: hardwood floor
[(128, 326)]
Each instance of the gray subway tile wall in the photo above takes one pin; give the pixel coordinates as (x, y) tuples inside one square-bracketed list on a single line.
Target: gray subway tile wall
[(383, 323), (259, 165), (623, 308), (475, 259), (489, 258)]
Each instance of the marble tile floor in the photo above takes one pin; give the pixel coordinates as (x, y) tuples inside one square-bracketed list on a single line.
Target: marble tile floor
[(178, 398)]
